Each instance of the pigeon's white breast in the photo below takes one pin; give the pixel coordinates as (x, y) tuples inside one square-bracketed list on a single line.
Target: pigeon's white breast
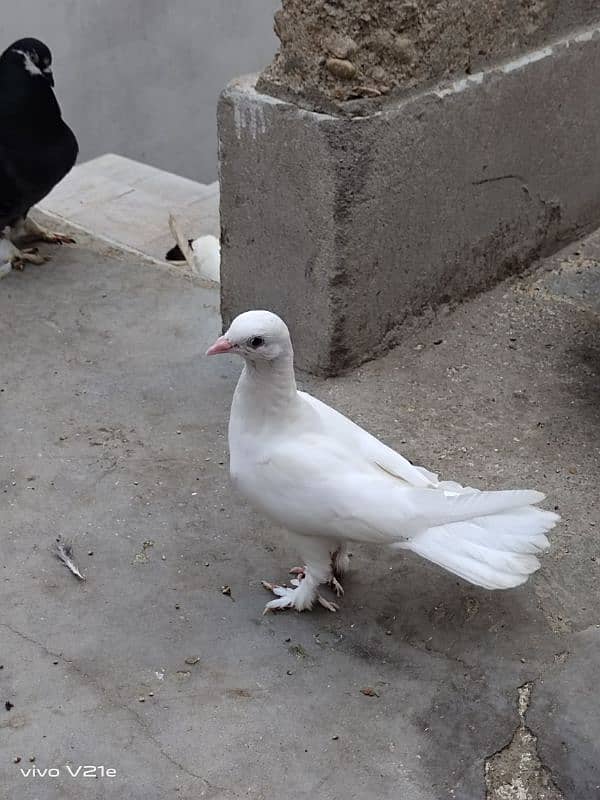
[(286, 497)]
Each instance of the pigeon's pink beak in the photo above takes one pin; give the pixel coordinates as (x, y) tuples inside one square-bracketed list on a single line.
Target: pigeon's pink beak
[(222, 345)]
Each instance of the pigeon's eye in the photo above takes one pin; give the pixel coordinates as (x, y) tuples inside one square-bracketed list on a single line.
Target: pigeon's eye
[(255, 342)]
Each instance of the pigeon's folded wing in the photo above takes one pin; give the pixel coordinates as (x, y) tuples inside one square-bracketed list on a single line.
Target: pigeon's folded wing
[(370, 447), (312, 484)]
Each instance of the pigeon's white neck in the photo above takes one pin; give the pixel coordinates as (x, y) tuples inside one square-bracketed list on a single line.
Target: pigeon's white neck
[(269, 386)]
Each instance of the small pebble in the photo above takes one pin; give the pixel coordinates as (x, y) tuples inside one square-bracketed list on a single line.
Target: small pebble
[(16, 759), (191, 660), (341, 68), (388, 633), (226, 590), (150, 694), (335, 738), (290, 672), (90, 552), (8, 705), (141, 699), (32, 759), (368, 691)]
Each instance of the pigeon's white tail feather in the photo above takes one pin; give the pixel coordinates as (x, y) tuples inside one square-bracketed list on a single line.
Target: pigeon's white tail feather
[(496, 552)]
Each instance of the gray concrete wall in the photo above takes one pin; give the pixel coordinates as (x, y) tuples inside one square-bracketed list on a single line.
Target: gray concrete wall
[(372, 221), (142, 77)]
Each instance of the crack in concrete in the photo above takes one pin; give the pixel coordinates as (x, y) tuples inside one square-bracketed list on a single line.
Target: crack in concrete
[(502, 178), (141, 722), (553, 204), (516, 772), (37, 644), (130, 711), (425, 647)]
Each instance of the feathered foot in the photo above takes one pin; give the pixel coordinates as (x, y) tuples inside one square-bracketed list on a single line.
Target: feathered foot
[(27, 231), (340, 562), (11, 255), (332, 581), (305, 587), (301, 597)]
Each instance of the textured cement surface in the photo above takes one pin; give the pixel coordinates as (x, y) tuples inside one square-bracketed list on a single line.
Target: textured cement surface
[(332, 53), (113, 435)]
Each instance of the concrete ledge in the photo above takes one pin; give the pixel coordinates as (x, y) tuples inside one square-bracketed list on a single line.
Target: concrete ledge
[(350, 227), (126, 202)]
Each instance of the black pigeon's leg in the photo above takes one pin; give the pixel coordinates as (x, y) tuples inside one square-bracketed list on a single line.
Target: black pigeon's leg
[(26, 231), (15, 258)]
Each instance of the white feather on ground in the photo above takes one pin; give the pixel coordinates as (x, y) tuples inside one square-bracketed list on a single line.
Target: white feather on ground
[(64, 552), (329, 482)]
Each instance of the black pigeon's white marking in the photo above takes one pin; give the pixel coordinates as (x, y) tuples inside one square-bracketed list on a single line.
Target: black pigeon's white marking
[(37, 148)]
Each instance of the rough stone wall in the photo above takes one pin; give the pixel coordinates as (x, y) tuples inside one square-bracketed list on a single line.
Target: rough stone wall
[(334, 54)]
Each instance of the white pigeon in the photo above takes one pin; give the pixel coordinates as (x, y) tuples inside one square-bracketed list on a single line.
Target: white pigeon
[(329, 482)]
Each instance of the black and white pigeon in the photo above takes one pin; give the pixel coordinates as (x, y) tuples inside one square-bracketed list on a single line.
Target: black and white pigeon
[(329, 482), (37, 148)]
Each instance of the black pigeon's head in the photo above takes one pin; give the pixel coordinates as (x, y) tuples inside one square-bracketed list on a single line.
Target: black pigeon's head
[(32, 56)]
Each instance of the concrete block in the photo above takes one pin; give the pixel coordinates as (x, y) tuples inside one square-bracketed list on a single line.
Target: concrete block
[(350, 227)]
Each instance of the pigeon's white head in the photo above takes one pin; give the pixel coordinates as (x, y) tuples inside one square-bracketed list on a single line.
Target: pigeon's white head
[(256, 336)]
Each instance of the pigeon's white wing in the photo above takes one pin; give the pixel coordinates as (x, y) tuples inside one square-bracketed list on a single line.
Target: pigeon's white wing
[(314, 485), (369, 447)]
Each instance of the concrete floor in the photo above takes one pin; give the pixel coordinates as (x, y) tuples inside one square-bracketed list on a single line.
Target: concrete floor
[(114, 436)]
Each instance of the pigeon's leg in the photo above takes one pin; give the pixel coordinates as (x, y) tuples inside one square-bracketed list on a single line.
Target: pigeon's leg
[(340, 561), (26, 231), (316, 571), (10, 256)]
